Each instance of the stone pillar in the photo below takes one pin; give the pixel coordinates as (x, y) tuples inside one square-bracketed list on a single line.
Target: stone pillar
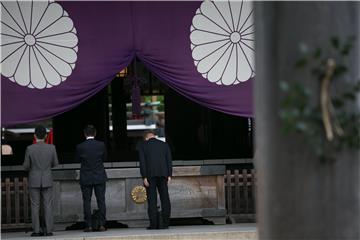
[(300, 197)]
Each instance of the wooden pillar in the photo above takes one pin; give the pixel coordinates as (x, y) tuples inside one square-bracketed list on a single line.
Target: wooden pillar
[(68, 127), (119, 113), (182, 123), (300, 197)]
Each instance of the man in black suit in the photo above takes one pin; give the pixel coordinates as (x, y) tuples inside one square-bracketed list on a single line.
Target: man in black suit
[(156, 170), (91, 154)]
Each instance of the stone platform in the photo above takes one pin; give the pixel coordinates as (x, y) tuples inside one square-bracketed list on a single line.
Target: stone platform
[(201, 232), (195, 192)]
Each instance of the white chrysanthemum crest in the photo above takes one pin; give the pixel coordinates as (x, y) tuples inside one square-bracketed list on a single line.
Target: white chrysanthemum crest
[(222, 41), (39, 44)]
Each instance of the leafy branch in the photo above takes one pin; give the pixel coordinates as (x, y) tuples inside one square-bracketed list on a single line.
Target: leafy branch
[(332, 123)]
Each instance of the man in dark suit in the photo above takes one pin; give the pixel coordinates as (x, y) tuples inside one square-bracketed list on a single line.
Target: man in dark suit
[(39, 159), (156, 170), (91, 154)]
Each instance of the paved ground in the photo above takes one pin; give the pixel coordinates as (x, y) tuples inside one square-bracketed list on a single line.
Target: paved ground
[(202, 232)]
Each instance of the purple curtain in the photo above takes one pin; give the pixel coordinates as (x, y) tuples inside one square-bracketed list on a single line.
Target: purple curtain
[(110, 35)]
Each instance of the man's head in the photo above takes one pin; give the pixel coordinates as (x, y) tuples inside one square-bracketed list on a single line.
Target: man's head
[(89, 131), (40, 132), (148, 134)]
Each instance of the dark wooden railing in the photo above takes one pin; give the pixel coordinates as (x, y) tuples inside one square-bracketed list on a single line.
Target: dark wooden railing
[(240, 188), (15, 204)]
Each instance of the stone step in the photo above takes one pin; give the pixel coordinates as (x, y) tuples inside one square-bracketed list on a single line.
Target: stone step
[(209, 232)]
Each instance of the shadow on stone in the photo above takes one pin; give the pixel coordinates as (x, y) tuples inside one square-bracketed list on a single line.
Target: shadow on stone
[(189, 221), (109, 224)]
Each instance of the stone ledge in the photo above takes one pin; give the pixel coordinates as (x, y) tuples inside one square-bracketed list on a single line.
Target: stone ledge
[(200, 232)]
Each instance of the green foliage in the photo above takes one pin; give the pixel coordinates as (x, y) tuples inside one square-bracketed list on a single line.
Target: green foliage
[(300, 115)]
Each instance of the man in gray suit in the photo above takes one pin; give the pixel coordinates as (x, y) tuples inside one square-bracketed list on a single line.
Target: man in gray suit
[(39, 159)]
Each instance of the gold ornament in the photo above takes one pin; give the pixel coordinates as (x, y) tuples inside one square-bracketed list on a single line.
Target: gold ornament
[(138, 194)]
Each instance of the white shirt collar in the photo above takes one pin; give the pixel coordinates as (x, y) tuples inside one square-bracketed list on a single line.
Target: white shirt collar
[(87, 138)]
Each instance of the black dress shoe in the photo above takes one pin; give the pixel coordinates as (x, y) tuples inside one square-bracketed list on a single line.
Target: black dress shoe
[(164, 227), (88, 229), (34, 234), (102, 229), (151, 228), (49, 234)]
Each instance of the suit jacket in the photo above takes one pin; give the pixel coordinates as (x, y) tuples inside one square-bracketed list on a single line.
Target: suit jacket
[(155, 159), (91, 154), (39, 159)]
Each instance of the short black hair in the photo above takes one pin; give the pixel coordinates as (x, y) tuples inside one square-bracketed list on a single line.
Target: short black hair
[(40, 132), (90, 131)]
